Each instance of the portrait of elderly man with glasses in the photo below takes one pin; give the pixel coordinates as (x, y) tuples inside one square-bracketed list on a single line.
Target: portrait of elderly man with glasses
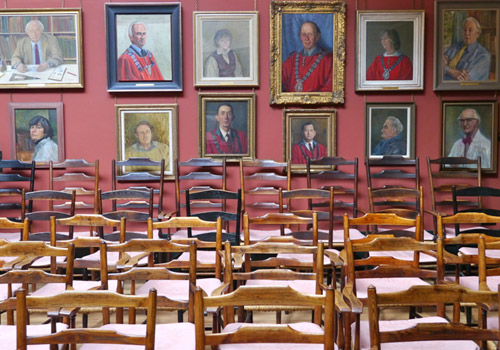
[(473, 144)]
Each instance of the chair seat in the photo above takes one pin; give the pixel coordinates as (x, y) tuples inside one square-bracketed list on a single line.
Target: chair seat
[(386, 285), (417, 345), (303, 286), (301, 326), (169, 336), (55, 288), (427, 235), (405, 255), (338, 235), (3, 290), (179, 234), (11, 236), (306, 258), (8, 335), (490, 253), (205, 257), (260, 235), (472, 282), (178, 289), (113, 258)]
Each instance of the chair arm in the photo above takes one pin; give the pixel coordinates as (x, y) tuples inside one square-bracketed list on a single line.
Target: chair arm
[(238, 260), (340, 304), (351, 298), (163, 215), (223, 288), (334, 258)]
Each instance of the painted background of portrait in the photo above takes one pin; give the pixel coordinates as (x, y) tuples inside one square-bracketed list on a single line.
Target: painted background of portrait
[(158, 38), (453, 24), (453, 131), (161, 121), (240, 31), (24, 145), (291, 23), (378, 116), (374, 48)]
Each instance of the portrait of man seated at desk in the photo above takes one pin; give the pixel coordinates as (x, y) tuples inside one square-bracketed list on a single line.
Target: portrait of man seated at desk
[(36, 48)]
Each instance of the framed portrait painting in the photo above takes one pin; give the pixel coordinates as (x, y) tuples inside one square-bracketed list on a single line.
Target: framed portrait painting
[(466, 45), (37, 131), (41, 48), (470, 131), (307, 52), (226, 51), (390, 50), (226, 123), (308, 133), (390, 130), (144, 51), (147, 131)]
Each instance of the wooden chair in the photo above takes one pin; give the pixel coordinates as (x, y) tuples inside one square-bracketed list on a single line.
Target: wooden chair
[(58, 204), (388, 262), (342, 175), (13, 230), (140, 174), (260, 181), (392, 171), (445, 172), (459, 194), (268, 336), (15, 176), (222, 199), (79, 176), (428, 332), (135, 206), (198, 174)]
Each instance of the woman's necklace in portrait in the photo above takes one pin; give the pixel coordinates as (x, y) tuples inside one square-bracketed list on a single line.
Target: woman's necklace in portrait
[(387, 71)]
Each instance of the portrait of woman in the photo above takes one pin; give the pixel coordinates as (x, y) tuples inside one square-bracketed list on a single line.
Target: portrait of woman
[(223, 62), (392, 64), (41, 134)]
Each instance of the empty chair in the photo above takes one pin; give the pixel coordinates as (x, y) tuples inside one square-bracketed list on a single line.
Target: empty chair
[(15, 176), (79, 176), (305, 335), (13, 230), (392, 171)]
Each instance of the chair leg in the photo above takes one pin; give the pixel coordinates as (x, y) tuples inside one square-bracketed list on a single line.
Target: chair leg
[(278, 317), (180, 316)]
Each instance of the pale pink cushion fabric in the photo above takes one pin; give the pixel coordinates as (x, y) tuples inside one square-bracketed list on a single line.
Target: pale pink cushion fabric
[(492, 322), (260, 235), (3, 290), (427, 235), (405, 255), (113, 257), (472, 282), (386, 285), (301, 326), (490, 253), (9, 341), (169, 336), (338, 235), (11, 236), (202, 256), (55, 288), (417, 345), (303, 286), (306, 258), (178, 289), (183, 233)]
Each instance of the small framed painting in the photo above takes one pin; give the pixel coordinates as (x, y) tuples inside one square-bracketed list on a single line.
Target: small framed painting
[(37, 132)]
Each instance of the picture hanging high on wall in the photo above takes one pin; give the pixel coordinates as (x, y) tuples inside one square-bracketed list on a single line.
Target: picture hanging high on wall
[(390, 50), (144, 51), (307, 52), (37, 132), (466, 45), (147, 131), (41, 48), (226, 50)]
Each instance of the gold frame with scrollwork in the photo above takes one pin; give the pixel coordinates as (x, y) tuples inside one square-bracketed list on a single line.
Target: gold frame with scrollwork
[(307, 8)]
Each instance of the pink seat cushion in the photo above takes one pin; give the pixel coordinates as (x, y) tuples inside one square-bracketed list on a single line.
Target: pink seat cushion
[(260, 235), (113, 257), (301, 326), (472, 282), (9, 341), (405, 255), (416, 345), (303, 286), (178, 289), (386, 285), (490, 253), (55, 288), (183, 233), (306, 258), (202, 257), (338, 235), (11, 236), (169, 336), (427, 235), (4, 292)]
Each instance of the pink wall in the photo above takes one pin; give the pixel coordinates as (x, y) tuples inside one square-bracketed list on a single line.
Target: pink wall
[(89, 112)]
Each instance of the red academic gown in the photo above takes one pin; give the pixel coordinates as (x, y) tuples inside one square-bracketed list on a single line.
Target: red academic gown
[(402, 71), (300, 153), (237, 143), (131, 66), (320, 78)]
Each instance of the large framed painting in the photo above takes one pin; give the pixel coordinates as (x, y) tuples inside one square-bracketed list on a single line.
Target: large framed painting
[(226, 123), (148, 131), (144, 46), (470, 131), (37, 132), (390, 130), (307, 52), (466, 45), (390, 50), (226, 50), (41, 48), (308, 133)]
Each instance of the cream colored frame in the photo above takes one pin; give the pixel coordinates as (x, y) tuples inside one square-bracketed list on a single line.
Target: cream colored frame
[(249, 19), (278, 8)]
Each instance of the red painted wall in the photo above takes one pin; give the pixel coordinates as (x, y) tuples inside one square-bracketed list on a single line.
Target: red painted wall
[(90, 117)]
